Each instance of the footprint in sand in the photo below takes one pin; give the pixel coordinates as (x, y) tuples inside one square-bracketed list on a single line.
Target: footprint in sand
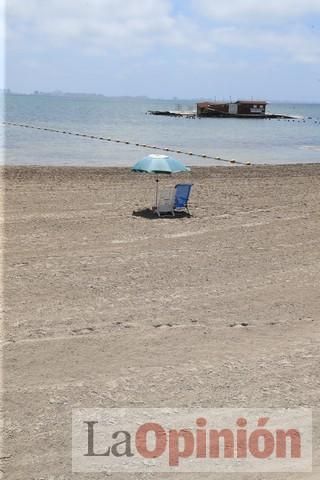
[(162, 325), (239, 325), (82, 331)]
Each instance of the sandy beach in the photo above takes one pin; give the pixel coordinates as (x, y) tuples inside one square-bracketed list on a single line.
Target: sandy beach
[(106, 305)]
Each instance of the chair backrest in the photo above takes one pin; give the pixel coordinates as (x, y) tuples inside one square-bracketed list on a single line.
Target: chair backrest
[(182, 194), (166, 198)]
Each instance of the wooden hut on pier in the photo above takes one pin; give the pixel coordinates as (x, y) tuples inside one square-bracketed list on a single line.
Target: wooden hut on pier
[(241, 108)]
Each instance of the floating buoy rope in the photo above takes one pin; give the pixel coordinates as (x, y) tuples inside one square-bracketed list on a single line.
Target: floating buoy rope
[(126, 142)]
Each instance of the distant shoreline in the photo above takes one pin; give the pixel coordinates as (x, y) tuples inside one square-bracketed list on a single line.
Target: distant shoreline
[(139, 97)]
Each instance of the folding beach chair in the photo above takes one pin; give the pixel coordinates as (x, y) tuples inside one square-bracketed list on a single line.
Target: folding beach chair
[(182, 196), (165, 201)]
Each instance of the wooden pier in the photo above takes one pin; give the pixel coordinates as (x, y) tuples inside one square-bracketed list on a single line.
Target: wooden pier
[(172, 113)]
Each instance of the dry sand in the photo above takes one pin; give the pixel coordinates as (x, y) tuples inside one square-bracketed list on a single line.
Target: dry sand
[(104, 308)]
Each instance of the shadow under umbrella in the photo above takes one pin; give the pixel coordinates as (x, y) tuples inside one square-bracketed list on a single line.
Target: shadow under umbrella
[(149, 214)]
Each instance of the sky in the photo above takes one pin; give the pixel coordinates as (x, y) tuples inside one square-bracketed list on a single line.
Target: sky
[(268, 49)]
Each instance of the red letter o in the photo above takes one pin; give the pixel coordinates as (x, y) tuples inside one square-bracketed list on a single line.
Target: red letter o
[(141, 440)]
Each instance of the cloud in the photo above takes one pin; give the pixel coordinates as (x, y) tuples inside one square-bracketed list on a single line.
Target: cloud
[(215, 30), (264, 26), (291, 45), (239, 10), (101, 25)]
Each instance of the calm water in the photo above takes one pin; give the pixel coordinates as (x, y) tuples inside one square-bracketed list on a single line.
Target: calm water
[(257, 141)]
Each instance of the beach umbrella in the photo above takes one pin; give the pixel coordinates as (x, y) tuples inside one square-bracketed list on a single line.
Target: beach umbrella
[(159, 164)]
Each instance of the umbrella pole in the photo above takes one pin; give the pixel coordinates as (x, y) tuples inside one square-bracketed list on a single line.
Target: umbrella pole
[(157, 189)]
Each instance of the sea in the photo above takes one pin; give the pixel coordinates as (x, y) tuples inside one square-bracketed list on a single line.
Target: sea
[(257, 141)]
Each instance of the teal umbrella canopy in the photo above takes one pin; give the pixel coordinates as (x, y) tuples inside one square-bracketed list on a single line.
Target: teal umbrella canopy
[(159, 164)]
